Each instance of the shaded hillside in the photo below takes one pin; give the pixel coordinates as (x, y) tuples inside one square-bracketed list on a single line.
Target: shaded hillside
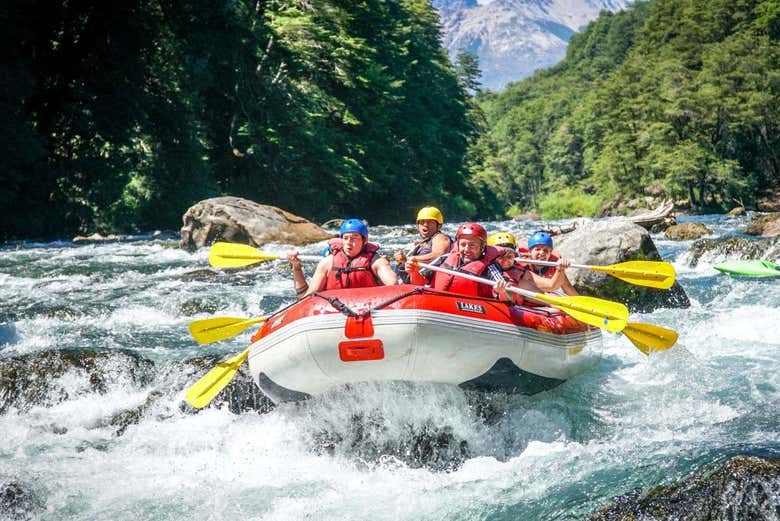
[(676, 96)]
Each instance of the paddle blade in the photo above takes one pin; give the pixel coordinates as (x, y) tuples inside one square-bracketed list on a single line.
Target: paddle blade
[(205, 389), (230, 255), (211, 330), (652, 274), (648, 337), (605, 314)]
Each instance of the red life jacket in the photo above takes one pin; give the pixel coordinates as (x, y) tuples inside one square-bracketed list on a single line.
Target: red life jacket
[(352, 273), (515, 273), (451, 283), (543, 271)]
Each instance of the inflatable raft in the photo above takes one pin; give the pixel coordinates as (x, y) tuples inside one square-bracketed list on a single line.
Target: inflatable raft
[(410, 333), (749, 268)]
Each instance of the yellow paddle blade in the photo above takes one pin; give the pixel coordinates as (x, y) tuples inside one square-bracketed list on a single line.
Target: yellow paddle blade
[(652, 274), (230, 255), (649, 337), (605, 314), (205, 389), (211, 330)]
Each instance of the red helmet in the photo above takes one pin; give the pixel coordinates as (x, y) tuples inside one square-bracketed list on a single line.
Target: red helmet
[(471, 230)]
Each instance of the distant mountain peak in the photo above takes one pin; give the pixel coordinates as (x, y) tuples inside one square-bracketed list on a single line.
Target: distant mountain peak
[(513, 38)]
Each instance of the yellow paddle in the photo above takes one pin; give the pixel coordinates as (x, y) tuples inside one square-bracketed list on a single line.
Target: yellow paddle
[(205, 389), (231, 255), (648, 337), (211, 330), (605, 314), (653, 274)]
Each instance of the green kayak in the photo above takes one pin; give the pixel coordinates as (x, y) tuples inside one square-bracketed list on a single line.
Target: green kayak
[(749, 268)]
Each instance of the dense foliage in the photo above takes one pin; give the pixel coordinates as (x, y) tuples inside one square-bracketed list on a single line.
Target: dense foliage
[(121, 114), (672, 96)]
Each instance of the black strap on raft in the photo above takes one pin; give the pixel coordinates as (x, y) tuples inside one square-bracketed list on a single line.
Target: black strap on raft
[(337, 304), (343, 308)]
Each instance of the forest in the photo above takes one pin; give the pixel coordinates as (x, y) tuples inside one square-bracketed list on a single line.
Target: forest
[(120, 115), (677, 98)]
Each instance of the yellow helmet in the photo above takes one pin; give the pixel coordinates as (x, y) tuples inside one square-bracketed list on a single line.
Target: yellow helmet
[(502, 239), (430, 212)]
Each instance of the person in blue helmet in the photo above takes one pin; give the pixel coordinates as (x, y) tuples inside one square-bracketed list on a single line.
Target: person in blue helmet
[(353, 262), (550, 279)]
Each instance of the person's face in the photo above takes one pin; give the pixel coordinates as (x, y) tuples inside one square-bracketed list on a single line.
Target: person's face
[(353, 243), (427, 227), (507, 260), (470, 248), (541, 252)]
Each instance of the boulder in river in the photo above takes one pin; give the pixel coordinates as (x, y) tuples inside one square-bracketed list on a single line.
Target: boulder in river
[(686, 231), (604, 243), (242, 221), (765, 226), (743, 487)]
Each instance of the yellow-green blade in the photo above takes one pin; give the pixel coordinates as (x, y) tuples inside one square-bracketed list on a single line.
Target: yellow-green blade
[(230, 255), (652, 274), (211, 330), (205, 389), (649, 337), (605, 314)]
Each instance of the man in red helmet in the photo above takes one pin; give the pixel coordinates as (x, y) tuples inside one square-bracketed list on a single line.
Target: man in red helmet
[(471, 255)]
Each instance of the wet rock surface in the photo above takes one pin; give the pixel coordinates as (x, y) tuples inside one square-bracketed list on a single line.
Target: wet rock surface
[(605, 243), (734, 248), (35, 379), (242, 221), (18, 501), (743, 488)]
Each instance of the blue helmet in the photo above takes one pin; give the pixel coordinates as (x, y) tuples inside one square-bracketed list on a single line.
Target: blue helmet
[(354, 225), (540, 238)]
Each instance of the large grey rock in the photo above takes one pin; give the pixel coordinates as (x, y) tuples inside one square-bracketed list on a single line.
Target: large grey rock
[(242, 221), (742, 488), (604, 243)]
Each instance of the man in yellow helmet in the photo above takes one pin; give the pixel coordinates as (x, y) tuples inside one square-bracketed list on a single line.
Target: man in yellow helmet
[(432, 244)]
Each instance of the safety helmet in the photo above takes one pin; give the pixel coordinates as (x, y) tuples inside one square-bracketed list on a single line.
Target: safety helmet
[(540, 238), (354, 225), (430, 212), (502, 239), (471, 230)]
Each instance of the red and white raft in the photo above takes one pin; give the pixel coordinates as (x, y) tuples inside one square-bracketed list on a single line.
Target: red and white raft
[(410, 333)]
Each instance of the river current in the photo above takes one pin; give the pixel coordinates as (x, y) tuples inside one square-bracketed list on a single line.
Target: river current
[(370, 452)]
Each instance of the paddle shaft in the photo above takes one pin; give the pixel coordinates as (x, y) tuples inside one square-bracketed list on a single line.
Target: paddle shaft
[(492, 283), (523, 260)]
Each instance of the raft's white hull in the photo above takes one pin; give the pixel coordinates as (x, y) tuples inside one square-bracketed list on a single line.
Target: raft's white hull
[(305, 358)]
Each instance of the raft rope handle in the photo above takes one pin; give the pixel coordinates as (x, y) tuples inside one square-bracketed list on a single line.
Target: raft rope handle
[(343, 308)]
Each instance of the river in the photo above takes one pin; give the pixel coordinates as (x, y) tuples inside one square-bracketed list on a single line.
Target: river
[(396, 452)]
